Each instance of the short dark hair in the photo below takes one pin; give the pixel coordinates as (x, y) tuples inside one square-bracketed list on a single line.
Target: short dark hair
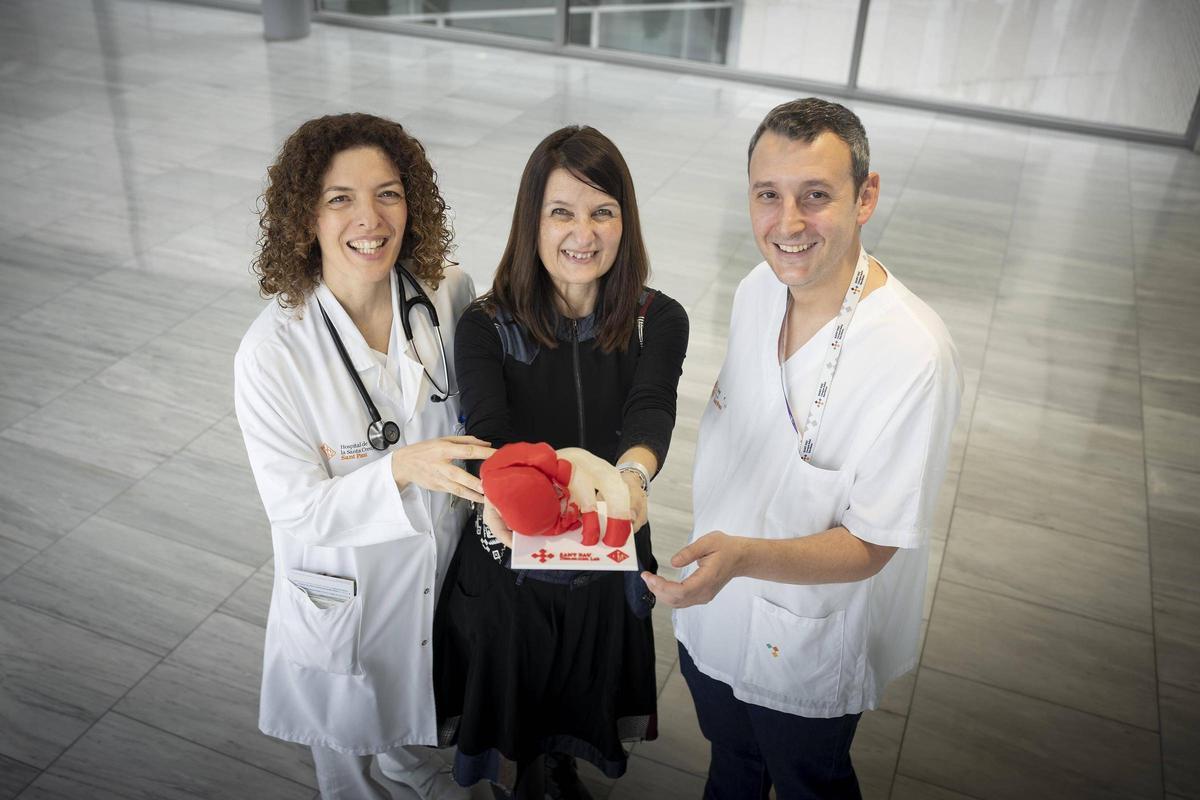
[(288, 263), (522, 286), (806, 119)]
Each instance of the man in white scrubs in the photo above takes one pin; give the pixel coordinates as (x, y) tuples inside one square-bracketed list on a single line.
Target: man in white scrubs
[(819, 459)]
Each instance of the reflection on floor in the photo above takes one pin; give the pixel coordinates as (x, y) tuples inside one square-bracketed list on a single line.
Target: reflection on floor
[(1062, 654)]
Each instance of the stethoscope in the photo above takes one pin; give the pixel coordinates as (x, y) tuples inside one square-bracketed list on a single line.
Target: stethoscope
[(380, 434)]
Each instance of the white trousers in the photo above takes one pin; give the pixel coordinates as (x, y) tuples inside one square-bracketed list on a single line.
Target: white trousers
[(343, 776)]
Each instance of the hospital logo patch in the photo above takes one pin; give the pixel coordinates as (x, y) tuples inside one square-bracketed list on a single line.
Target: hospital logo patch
[(718, 397), (327, 451), (773, 649)]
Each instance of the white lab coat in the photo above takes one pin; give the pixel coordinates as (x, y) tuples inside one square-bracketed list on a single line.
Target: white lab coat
[(356, 678), (823, 650)]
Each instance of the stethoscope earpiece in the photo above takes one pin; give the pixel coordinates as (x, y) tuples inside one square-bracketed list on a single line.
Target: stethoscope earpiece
[(406, 307)]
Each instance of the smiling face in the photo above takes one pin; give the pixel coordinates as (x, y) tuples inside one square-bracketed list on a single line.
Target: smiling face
[(361, 215), (805, 211), (579, 233)]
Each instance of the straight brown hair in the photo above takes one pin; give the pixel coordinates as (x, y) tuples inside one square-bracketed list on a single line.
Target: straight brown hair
[(522, 286)]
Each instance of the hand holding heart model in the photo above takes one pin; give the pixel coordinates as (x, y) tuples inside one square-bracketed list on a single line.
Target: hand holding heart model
[(540, 492)]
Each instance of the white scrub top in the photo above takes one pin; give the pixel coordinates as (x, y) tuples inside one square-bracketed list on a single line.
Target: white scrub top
[(355, 677), (823, 650)]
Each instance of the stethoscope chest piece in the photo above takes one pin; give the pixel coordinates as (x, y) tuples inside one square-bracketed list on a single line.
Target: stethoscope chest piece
[(383, 435)]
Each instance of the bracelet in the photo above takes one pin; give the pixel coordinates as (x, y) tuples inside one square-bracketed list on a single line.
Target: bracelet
[(486, 537), (639, 470)]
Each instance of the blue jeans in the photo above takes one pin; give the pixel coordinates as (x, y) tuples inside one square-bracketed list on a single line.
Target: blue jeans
[(754, 748)]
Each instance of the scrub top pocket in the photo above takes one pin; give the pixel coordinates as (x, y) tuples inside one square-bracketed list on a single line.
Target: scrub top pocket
[(807, 500), (797, 660), (323, 639)]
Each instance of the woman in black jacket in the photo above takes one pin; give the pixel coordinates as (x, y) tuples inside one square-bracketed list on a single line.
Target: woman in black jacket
[(569, 347)]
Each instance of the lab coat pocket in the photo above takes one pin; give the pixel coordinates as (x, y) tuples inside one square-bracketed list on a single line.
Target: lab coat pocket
[(323, 639), (795, 659)]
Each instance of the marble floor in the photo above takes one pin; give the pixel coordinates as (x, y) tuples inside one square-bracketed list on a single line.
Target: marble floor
[(1062, 646)]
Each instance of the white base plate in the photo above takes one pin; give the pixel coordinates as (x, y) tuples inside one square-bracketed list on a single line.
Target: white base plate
[(566, 551)]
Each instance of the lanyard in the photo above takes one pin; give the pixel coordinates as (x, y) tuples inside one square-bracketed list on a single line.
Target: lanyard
[(812, 425)]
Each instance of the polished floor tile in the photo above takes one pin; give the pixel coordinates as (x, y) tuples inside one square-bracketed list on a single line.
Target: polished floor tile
[(14, 777), (665, 646), (222, 443), (206, 691), (874, 752), (1174, 507), (1172, 438), (1174, 552), (35, 370), (1106, 325), (134, 139), (680, 743), (1067, 274), (897, 698), (251, 601), (58, 679), (646, 778), (1016, 487), (175, 371), (44, 496), (991, 743), (1179, 394), (23, 286), (1060, 437), (1177, 641), (1166, 336), (1036, 651), (1097, 383), (1060, 570), (123, 434), (1180, 711), (109, 763), (1037, 337), (217, 328), (127, 584), (13, 555), (905, 788), (199, 502)]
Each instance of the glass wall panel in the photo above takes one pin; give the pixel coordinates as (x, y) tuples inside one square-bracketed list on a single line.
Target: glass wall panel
[(693, 30), (809, 39), (532, 19), (1134, 63), (1123, 63)]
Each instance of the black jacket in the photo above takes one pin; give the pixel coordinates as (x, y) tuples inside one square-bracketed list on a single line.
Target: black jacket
[(573, 395)]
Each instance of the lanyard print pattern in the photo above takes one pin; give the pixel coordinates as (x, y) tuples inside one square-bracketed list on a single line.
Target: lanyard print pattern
[(812, 424)]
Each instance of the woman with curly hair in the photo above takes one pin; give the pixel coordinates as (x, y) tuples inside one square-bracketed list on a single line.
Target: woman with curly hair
[(348, 405)]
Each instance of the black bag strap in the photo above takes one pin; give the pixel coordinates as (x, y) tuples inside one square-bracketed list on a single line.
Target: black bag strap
[(647, 299), (514, 342)]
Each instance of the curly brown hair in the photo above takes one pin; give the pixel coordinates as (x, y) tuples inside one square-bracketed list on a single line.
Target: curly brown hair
[(288, 263)]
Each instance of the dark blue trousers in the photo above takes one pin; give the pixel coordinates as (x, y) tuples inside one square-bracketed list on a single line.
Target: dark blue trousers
[(755, 748)]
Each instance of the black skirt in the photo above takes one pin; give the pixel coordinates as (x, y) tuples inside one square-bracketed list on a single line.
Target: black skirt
[(524, 666)]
